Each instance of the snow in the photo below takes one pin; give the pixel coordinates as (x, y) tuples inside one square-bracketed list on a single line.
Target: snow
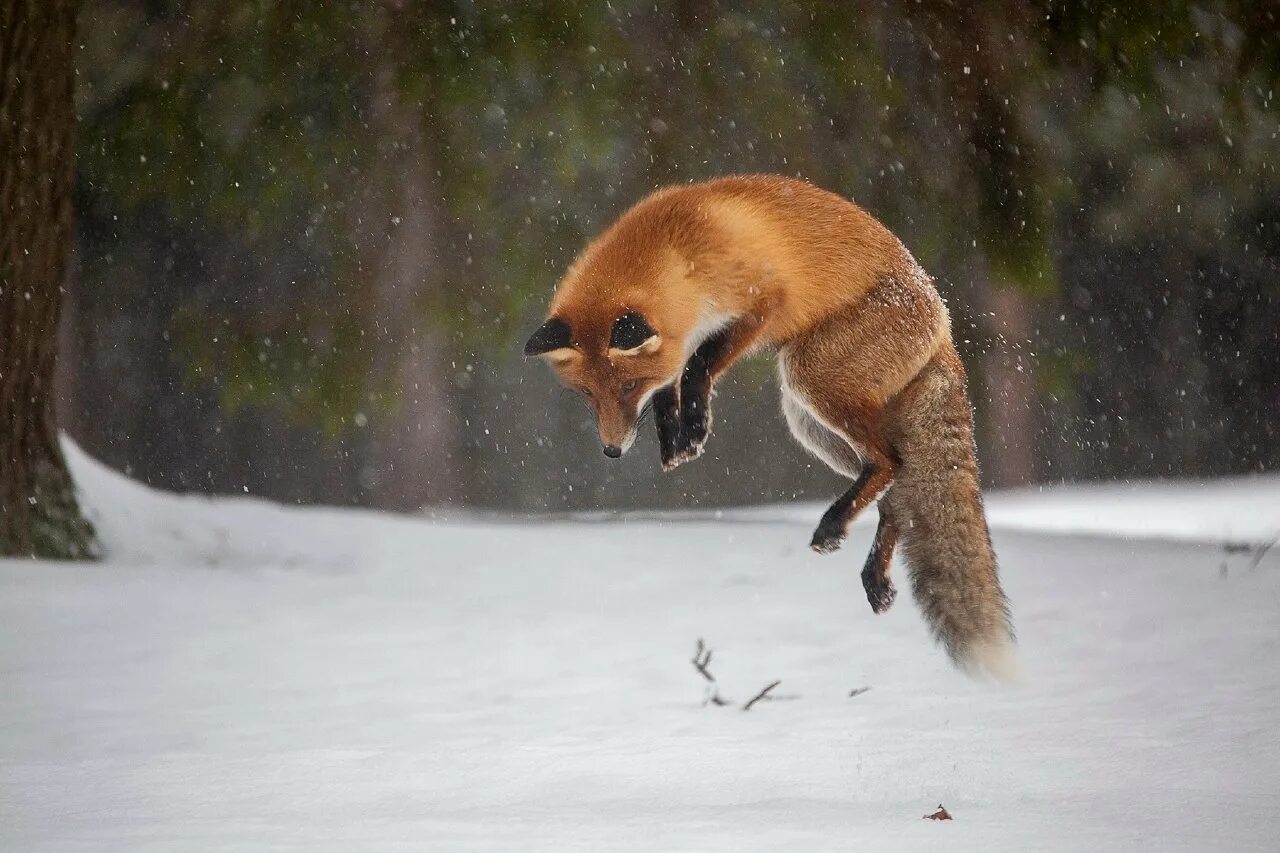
[(244, 675), (1231, 509), (1236, 511)]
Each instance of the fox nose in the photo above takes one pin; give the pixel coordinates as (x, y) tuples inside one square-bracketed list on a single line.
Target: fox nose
[(613, 451)]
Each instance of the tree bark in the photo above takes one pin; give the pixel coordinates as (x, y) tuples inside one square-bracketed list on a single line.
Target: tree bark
[(1010, 425), (400, 231), (39, 514), (409, 454)]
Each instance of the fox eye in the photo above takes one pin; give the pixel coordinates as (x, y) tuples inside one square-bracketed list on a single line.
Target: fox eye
[(628, 387)]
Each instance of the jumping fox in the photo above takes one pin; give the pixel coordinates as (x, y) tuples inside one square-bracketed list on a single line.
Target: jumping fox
[(693, 277)]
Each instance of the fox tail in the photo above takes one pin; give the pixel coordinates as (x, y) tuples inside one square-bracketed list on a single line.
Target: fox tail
[(936, 506)]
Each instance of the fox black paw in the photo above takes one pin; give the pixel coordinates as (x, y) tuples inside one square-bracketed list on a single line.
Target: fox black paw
[(694, 431), (880, 592), (670, 458), (687, 453), (826, 540)]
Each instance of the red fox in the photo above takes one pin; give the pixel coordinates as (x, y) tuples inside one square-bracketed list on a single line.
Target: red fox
[(693, 277)]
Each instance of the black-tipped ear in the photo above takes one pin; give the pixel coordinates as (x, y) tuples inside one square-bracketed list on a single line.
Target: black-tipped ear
[(551, 335), (630, 331)]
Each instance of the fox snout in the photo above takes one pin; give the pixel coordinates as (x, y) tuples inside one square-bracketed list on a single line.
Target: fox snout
[(617, 427), (617, 441)]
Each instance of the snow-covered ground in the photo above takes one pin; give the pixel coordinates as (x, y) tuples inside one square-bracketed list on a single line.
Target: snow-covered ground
[(1235, 510), (243, 675)]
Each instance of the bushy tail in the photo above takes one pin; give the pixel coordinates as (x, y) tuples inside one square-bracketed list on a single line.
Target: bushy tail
[(936, 505)]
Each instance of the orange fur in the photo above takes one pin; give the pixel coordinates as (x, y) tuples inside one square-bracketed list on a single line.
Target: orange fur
[(868, 369)]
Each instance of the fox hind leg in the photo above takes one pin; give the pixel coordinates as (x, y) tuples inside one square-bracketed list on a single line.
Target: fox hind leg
[(870, 470), (875, 574), (839, 455), (834, 526)]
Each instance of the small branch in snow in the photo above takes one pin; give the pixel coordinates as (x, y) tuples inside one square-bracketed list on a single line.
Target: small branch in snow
[(858, 691), (1261, 551), (701, 660), (763, 694), (1257, 552)]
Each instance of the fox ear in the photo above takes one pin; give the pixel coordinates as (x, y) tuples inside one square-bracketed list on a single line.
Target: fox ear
[(632, 334), (551, 335)]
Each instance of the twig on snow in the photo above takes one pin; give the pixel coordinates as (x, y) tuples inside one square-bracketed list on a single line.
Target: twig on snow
[(1261, 551), (763, 694), (701, 660)]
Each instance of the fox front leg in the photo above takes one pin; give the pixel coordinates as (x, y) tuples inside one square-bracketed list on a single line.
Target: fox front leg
[(693, 413), (712, 358), (666, 414)]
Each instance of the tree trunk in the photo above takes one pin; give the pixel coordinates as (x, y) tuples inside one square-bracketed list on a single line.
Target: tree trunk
[(1010, 426), (39, 515), (409, 452), (399, 233)]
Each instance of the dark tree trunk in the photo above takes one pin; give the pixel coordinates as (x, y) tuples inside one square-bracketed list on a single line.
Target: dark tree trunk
[(407, 458), (399, 230), (1010, 425), (39, 515)]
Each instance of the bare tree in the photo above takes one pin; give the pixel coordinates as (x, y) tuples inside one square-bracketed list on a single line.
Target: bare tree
[(401, 236), (39, 514)]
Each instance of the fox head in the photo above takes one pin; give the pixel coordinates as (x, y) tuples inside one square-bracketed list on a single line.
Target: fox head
[(616, 366)]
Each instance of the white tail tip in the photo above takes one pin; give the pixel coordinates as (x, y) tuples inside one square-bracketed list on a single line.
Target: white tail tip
[(993, 660)]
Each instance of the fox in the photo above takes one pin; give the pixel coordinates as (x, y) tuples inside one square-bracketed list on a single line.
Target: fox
[(694, 277)]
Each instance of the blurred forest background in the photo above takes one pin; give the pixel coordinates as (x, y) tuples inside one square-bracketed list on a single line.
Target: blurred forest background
[(311, 237)]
